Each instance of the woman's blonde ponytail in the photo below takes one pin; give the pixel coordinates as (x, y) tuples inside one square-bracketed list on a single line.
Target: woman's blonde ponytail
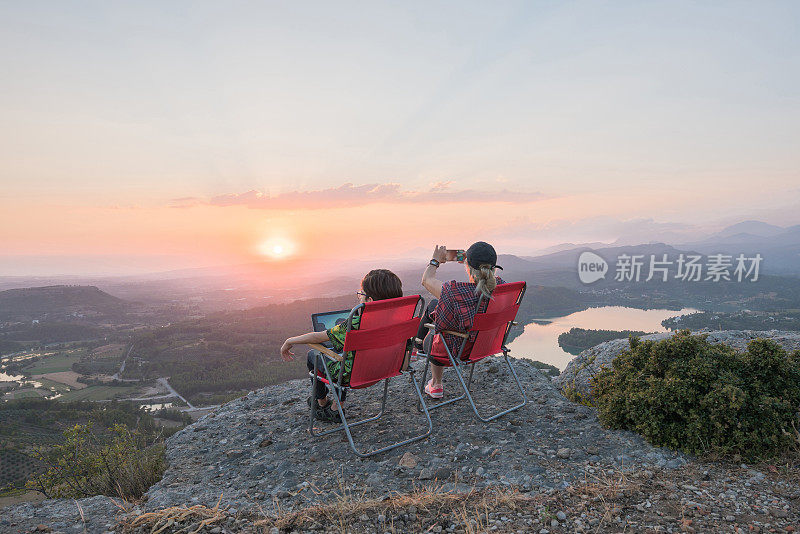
[(484, 280)]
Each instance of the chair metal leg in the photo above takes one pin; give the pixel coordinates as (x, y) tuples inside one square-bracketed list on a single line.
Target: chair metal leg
[(502, 412), (438, 404), (361, 422), (346, 426), (467, 385), (424, 376), (419, 437), (314, 381)]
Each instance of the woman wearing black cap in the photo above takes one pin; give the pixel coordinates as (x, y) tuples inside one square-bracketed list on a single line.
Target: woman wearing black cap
[(455, 305)]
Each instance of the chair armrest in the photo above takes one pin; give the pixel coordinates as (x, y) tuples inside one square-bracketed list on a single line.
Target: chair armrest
[(430, 326), (459, 334), (326, 351)]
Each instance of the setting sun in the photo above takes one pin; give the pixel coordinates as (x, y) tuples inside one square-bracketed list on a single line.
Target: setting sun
[(276, 248)]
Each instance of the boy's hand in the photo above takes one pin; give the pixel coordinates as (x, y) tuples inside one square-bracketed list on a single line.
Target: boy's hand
[(286, 351), (440, 253)]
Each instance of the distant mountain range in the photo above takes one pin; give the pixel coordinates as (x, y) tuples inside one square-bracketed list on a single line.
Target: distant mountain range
[(778, 246), (248, 285)]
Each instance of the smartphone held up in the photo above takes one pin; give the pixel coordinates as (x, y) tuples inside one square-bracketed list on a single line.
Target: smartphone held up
[(456, 255)]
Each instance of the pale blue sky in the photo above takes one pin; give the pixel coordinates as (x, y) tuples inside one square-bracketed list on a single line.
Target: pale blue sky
[(210, 98)]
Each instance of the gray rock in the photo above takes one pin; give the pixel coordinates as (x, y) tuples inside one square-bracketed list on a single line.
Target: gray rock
[(296, 470), (408, 460), (443, 473)]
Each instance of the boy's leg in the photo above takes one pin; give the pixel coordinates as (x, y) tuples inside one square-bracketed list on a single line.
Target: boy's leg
[(320, 389), (427, 318), (343, 393)]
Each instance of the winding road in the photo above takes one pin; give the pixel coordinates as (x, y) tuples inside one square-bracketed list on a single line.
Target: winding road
[(163, 381), (116, 376)]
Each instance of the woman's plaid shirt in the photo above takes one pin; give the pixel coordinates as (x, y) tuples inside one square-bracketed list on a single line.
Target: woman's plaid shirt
[(455, 311)]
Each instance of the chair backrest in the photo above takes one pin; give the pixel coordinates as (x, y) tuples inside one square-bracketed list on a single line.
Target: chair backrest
[(492, 326), (381, 339)]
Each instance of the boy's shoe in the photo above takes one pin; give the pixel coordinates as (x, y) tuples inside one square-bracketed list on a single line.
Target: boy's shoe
[(434, 393), (324, 413), (329, 415), (321, 413)]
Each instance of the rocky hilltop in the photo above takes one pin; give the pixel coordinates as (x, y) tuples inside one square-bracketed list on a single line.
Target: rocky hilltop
[(253, 458), (576, 378)]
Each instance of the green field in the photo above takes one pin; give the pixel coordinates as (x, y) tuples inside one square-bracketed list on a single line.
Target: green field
[(56, 363), (58, 386), (27, 433), (114, 354), (27, 394), (15, 467), (95, 393)]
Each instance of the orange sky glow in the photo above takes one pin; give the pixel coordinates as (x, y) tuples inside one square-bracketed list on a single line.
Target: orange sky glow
[(207, 235)]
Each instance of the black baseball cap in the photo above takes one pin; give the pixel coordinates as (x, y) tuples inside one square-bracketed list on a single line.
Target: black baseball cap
[(482, 253)]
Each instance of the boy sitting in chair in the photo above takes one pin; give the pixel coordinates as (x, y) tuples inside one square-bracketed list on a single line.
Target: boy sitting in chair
[(378, 284)]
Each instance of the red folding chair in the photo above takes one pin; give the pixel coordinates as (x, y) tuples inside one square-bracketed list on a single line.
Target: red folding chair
[(381, 349), (487, 337)]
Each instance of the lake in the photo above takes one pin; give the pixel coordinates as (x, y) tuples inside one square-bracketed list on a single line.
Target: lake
[(540, 342)]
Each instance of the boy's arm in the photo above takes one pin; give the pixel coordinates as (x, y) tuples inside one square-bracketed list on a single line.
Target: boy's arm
[(429, 280), (304, 339)]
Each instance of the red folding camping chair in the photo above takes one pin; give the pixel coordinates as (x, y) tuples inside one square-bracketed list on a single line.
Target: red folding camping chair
[(487, 337), (381, 348)]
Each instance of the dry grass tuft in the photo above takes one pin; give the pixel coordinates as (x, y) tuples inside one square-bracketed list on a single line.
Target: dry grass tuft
[(607, 490), (431, 501), (197, 517)]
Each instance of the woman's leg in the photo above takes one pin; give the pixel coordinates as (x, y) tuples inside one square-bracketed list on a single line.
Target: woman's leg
[(436, 368), (436, 374)]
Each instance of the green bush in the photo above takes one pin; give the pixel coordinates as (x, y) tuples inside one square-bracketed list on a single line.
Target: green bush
[(89, 463), (688, 394)]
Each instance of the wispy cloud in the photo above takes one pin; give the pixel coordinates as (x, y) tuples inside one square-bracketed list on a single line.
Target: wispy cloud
[(348, 195), (185, 202)]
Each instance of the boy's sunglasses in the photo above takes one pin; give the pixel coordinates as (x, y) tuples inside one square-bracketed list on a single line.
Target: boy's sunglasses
[(361, 294)]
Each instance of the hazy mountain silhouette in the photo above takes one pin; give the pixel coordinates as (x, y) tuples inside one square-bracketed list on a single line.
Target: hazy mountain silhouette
[(57, 299)]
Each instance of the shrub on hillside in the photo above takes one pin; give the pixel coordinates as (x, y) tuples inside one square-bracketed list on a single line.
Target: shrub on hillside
[(688, 394), (89, 463)]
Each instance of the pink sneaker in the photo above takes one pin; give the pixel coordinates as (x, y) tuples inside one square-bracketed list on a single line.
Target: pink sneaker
[(434, 393)]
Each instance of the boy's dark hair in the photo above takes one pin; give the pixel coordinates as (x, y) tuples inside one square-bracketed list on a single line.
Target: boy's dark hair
[(382, 284)]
